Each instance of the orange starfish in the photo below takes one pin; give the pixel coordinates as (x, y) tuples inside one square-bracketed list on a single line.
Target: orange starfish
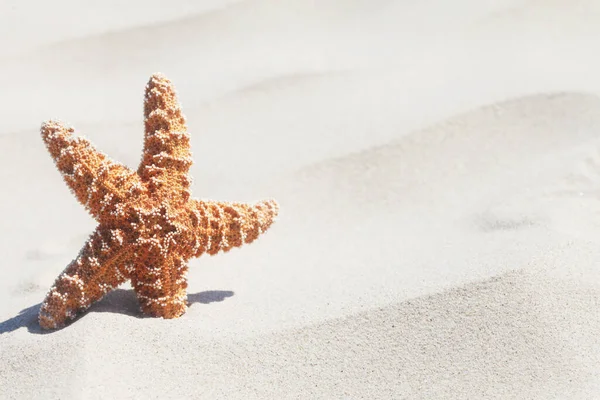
[(149, 227)]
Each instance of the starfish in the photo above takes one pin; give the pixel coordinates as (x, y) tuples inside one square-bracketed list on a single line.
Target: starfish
[(149, 226)]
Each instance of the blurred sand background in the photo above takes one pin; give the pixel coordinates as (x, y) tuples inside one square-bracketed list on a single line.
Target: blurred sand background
[(438, 169)]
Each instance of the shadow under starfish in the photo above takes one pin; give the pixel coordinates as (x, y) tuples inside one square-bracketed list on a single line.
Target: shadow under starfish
[(119, 301)]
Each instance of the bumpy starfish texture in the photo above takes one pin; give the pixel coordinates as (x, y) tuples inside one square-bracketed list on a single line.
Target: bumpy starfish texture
[(148, 224)]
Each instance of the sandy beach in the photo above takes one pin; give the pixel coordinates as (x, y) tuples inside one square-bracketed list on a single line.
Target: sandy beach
[(437, 168)]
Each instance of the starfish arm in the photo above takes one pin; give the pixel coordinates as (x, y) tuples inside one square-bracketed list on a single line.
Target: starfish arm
[(161, 283), (167, 157), (100, 266), (221, 226), (99, 183)]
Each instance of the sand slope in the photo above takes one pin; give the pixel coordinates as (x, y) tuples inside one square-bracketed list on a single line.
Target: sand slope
[(438, 175)]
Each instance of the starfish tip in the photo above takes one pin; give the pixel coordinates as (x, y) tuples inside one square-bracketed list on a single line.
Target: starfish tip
[(158, 79), (50, 124), (52, 127)]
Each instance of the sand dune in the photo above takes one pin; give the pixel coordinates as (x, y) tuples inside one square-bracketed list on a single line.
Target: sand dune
[(473, 340), (441, 205), (22, 22), (438, 176)]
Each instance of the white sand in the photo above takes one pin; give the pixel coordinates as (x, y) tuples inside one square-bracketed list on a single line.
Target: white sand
[(438, 169)]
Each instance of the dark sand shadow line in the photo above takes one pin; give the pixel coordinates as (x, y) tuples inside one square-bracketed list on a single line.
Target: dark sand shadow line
[(121, 301)]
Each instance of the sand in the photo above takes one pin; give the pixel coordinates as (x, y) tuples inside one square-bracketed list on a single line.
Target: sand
[(437, 167)]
